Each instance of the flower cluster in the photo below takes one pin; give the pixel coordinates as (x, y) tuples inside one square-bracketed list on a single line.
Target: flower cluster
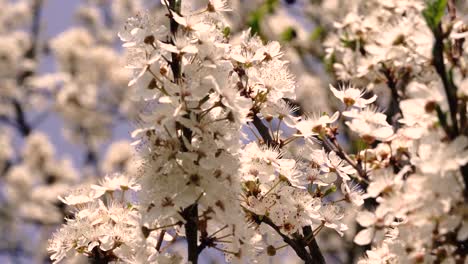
[(416, 165), (231, 162), (72, 79), (104, 223), (197, 92)]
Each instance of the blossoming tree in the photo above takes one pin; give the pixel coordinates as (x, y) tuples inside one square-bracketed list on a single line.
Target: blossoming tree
[(229, 161)]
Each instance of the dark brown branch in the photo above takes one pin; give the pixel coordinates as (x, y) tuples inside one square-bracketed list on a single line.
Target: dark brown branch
[(343, 155), (31, 53), (449, 87), (263, 130), (174, 6), (313, 246), (395, 103), (443, 121), (21, 122), (101, 257), (91, 157), (293, 243), (463, 117), (190, 214), (160, 240)]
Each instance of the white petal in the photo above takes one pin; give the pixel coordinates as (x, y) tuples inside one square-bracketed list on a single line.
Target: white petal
[(107, 243), (338, 94), (383, 132), (180, 20), (238, 58), (365, 218), (92, 245), (168, 47), (334, 117), (364, 237), (190, 49)]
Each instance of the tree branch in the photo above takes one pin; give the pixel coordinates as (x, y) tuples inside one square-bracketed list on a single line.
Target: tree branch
[(449, 87), (315, 256), (395, 103), (343, 155), (160, 240), (174, 6), (300, 250), (190, 214), (35, 31), (263, 130), (22, 124)]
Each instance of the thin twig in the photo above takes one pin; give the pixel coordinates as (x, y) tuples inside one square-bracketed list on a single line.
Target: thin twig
[(160, 240), (449, 87), (342, 154), (298, 244)]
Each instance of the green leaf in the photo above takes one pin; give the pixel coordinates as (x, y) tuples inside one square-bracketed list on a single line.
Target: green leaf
[(434, 12), (354, 44), (256, 16), (330, 190), (359, 145), (318, 33), (310, 188), (271, 5), (328, 62), (226, 32), (254, 21), (288, 34)]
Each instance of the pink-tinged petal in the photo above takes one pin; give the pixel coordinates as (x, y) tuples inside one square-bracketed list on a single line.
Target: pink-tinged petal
[(190, 49), (365, 218), (364, 237), (168, 47)]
